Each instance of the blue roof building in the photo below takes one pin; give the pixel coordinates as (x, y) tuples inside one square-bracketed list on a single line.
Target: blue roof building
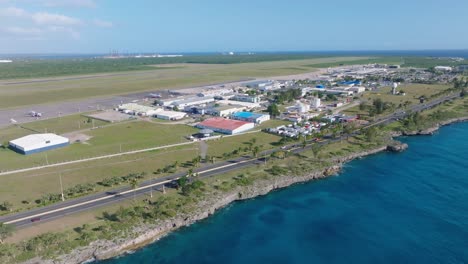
[(251, 117)]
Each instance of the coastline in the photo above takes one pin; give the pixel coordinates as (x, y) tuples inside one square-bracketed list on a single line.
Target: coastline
[(149, 233)]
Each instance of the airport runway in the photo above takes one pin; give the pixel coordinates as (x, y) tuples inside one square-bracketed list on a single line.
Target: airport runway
[(53, 110)]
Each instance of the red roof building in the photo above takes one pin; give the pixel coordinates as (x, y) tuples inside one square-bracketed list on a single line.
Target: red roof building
[(226, 126)]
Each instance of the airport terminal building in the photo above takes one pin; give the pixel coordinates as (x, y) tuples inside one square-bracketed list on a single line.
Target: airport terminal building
[(38, 143)]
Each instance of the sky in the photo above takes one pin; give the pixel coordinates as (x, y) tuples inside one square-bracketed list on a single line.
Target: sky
[(137, 26)]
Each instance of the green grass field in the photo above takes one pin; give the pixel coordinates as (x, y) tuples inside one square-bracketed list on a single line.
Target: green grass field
[(413, 92), (178, 76), (112, 139), (29, 186)]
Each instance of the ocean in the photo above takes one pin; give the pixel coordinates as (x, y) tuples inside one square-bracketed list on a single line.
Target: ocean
[(409, 207)]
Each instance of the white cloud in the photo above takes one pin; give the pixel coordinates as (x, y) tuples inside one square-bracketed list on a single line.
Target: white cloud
[(44, 18), (70, 3), (13, 12), (22, 31), (102, 23)]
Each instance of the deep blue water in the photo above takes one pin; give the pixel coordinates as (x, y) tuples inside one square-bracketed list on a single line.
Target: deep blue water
[(410, 207)]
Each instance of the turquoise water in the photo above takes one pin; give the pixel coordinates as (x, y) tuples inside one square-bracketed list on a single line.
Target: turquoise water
[(410, 207)]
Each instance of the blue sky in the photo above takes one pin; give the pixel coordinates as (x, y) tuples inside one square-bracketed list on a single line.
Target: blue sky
[(96, 26)]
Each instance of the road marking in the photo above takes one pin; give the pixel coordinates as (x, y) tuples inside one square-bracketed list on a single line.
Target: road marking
[(115, 195)]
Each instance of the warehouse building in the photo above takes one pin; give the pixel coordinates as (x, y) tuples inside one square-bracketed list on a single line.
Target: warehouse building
[(38, 143), (251, 117), (225, 110), (170, 115), (137, 109), (226, 126), (193, 101)]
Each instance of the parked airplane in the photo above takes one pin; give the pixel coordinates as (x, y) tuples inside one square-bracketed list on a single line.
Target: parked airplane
[(154, 95), (35, 114)]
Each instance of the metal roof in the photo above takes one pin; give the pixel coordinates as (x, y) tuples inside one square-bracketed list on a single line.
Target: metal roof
[(35, 141)]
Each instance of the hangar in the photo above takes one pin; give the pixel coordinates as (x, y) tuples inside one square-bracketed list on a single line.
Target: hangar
[(35, 143)]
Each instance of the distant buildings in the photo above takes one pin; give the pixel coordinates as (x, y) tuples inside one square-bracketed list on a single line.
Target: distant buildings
[(184, 101), (261, 85), (192, 101), (315, 102), (443, 68), (226, 126), (225, 110), (137, 109), (251, 117), (246, 98), (462, 68), (169, 115), (38, 143)]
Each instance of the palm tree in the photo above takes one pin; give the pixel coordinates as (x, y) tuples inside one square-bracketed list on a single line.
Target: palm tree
[(196, 161), (304, 143), (255, 151), (316, 148), (190, 173), (134, 185)]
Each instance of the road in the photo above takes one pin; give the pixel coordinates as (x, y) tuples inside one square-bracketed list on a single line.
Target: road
[(24, 219)]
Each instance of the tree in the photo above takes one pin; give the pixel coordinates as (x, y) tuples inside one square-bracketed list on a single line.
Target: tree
[(371, 134), (316, 149), (463, 92), (273, 110), (348, 129), (5, 231), (196, 161), (362, 106), (182, 181), (255, 151), (378, 105), (6, 206), (253, 141), (134, 184)]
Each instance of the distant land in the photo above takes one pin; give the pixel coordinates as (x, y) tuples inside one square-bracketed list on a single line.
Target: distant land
[(463, 53)]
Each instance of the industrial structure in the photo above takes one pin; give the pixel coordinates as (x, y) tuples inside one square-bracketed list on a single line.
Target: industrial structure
[(226, 126), (35, 143), (251, 117)]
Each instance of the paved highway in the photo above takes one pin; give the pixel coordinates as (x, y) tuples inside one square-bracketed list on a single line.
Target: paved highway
[(24, 219)]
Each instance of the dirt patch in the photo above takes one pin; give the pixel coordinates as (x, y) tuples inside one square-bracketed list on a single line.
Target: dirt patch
[(111, 116), (76, 137)]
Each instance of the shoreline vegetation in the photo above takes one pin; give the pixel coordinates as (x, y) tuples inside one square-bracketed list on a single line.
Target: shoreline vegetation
[(141, 221), (201, 199)]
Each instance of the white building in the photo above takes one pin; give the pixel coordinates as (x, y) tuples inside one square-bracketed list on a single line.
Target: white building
[(357, 89), (170, 115), (37, 143), (315, 102), (246, 98), (443, 68), (300, 107), (193, 101), (244, 104), (225, 110), (226, 126), (251, 117), (136, 109)]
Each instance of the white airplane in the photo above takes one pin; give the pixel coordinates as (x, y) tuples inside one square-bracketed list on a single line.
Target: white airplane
[(154, 95), (35, 114)]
